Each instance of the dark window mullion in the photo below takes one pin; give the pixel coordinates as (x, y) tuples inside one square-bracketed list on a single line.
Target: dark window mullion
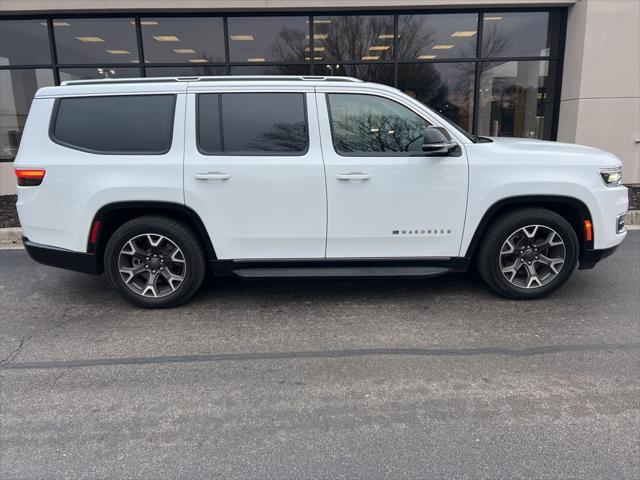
[(225, 28), (54, 54), (476, 82), (141, 64)]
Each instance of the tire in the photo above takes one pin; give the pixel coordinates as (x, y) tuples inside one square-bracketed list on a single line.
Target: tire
[(511, 272), (155, 262)]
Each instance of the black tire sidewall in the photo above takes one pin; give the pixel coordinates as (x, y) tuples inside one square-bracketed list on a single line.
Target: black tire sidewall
[(505, 227), (178, 234)]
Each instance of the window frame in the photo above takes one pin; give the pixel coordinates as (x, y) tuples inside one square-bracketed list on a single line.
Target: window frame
[(54, 118), (373, 154), (251, 153)]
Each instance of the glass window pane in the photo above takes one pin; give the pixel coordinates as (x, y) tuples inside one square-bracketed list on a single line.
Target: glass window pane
[(370, 124), (264, 122), (124, 124), (272, 70), (204, 71), (268, 39), (97, 73), (520, 34), (183, 40), (96, 40), (17, 88), (209, 135), (428, 37), (516, 99), (367, 72), (366, 38), (445, 87), (24, 42)]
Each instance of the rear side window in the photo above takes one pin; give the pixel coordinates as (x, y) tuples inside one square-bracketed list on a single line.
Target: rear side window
[(252, 123), (116, 125)]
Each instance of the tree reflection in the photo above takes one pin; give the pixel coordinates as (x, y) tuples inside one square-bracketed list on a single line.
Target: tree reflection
[(281, 137)]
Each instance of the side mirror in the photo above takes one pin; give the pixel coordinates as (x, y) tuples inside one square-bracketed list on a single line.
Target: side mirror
[(436, 141)]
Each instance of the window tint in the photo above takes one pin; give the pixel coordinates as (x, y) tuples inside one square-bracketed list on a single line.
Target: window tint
[(127, 124), (24, 42), (369, 124), (209, 135), (268, 39), (96, 40), (252, 122), (436, 36)]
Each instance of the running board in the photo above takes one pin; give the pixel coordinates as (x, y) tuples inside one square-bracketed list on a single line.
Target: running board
[(362, 272)]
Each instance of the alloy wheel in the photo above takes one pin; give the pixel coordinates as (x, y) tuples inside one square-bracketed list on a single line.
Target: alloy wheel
[(152, 265), (532, 256)]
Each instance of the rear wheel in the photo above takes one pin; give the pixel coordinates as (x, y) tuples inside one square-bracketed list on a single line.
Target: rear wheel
[(155, 262), (528, 253)]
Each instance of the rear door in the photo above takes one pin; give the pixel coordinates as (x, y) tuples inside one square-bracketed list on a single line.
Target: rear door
[(253, 171)]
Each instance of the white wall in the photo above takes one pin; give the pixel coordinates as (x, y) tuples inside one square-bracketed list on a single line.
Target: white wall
[(600, 100)]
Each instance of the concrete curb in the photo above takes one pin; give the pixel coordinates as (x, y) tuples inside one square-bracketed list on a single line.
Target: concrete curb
[(12, 237)]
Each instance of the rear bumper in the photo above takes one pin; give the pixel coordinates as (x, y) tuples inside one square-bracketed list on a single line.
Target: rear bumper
[(589, 258), (63, 258)]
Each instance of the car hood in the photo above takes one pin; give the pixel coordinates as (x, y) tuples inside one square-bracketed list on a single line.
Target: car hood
[(545, 149)]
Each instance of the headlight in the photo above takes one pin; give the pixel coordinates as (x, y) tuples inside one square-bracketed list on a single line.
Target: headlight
[(611, 176)]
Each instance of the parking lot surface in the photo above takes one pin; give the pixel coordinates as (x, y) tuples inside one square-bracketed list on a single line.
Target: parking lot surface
[(326, 378)]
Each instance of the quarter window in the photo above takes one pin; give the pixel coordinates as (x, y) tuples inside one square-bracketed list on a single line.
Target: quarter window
[(125, 124), (365, 124), (252, 123)]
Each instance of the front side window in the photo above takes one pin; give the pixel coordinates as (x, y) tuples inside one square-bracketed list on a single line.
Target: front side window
[(124, 124), (366, 124), (252, 123)]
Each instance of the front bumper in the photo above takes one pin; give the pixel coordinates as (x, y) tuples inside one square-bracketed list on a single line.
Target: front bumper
[(63, 258), (589, 258)]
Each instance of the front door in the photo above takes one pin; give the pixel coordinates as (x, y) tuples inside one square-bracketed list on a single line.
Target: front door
[(253, 172), (386, 199)]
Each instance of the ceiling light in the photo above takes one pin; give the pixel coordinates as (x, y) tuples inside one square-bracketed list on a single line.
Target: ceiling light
[(318, 36), (427, 57), (468, 33), (145, 22), (184, 50), (134, 61), (242, 38), (384, 36), (493, 18), (256, 59), (57, 24), (315, 49), (198, 60), (166, 38), (119, 52), (370, 57), (380, 48), (319, 21), (442, 47), (90, 39)]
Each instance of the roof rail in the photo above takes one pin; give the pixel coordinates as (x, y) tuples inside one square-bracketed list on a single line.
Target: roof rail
[(247, 78)]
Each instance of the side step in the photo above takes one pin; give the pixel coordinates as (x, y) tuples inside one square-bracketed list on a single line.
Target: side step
[(362, 272)]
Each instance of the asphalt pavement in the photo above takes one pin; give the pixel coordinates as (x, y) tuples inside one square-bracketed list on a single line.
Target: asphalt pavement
[(325, 378)]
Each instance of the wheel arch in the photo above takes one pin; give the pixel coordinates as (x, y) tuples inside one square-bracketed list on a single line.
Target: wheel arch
[(575, 211), (112, 215)]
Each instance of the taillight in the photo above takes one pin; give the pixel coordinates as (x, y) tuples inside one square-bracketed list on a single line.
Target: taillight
[(29, 177)]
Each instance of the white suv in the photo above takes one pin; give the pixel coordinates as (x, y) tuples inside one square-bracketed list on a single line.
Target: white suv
[(156, 180)]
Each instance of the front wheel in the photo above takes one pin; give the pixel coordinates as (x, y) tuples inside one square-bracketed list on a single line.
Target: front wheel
[(155, 262), (528, 253)]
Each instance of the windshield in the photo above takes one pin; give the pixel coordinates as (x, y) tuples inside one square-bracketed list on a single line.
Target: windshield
[(470, 136)]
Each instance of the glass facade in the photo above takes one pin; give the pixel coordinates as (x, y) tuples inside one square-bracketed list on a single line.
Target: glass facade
[(491, 72)]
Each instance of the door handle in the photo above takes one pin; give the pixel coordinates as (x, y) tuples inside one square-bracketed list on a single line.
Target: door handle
[(353, 176), (212, 176)]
